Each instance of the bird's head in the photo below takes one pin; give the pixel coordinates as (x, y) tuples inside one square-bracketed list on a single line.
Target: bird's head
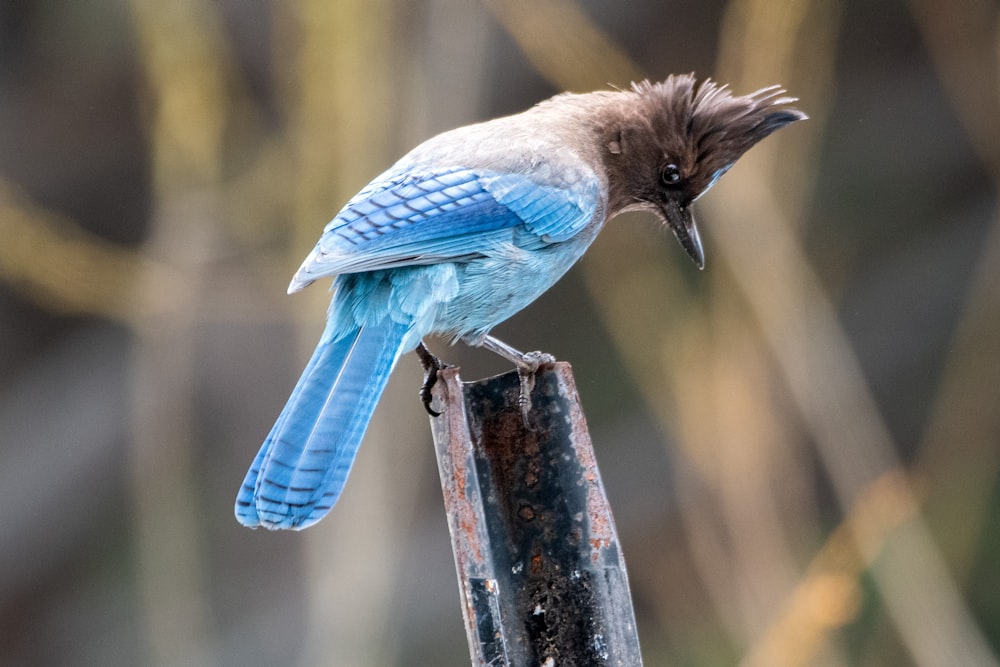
[(676, 138)]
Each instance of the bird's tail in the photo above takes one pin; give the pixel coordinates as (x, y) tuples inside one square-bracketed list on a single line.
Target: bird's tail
[(302, 466)]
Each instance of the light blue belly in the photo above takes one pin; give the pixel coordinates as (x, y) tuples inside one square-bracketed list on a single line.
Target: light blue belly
[(492, 289)]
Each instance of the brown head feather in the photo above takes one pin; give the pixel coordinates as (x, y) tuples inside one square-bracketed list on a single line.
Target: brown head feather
[(701, 129)]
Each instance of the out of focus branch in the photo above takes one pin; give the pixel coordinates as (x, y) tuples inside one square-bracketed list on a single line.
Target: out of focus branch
[(65, 268), (825, 381), (964, 44), (186, 68), (564, 45), (958, 454), (829, 595)]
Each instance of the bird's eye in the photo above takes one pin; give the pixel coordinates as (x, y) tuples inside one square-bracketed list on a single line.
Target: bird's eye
[(670, 175)]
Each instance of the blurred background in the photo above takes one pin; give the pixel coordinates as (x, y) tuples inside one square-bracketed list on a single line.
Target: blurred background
[(800, 443)]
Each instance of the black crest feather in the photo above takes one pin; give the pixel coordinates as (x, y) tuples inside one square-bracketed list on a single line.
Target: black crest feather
[(705, 128)]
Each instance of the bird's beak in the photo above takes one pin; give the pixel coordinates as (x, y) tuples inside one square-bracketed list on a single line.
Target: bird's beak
[(682, 224)]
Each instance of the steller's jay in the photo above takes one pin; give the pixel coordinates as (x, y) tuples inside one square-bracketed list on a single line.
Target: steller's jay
[(469, 228)]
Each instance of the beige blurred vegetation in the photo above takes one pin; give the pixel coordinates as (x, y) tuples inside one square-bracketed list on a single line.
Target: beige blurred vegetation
[(748, 374)]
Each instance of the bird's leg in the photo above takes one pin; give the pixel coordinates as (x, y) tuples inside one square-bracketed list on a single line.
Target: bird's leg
[(527, 365), (431, 366)]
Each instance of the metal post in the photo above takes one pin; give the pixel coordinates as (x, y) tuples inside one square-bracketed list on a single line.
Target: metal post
[(542, 579)]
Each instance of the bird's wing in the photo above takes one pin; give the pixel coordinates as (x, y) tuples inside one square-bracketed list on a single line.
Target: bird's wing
[(426, 216)]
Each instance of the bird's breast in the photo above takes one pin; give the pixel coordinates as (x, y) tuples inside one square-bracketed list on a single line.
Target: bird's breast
[(495, 287)]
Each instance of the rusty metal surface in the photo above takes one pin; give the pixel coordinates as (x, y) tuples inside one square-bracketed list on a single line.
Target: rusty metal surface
[(543, 581)]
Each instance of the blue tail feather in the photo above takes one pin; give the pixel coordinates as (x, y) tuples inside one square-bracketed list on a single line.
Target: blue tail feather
[(301, 468)]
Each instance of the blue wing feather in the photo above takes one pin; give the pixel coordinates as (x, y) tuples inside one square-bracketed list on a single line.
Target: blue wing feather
[(554, 213), (454, 214)]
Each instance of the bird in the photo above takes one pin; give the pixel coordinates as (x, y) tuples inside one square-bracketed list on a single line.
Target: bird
[(470, 227)]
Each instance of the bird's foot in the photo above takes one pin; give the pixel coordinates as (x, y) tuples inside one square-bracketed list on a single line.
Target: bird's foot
[(527, 367), (431, 365)]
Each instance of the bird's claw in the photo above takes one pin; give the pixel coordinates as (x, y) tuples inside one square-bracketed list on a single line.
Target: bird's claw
[(532, 361), (527, 368), (431, 365)]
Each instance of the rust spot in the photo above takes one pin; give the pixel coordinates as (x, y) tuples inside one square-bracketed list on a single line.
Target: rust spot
[(598, 543), (536, 563), (602, 530), (461, 509), (526, 512)]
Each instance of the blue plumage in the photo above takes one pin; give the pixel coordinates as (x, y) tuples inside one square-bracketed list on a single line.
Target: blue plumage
[(301, 469), (469, 228)]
